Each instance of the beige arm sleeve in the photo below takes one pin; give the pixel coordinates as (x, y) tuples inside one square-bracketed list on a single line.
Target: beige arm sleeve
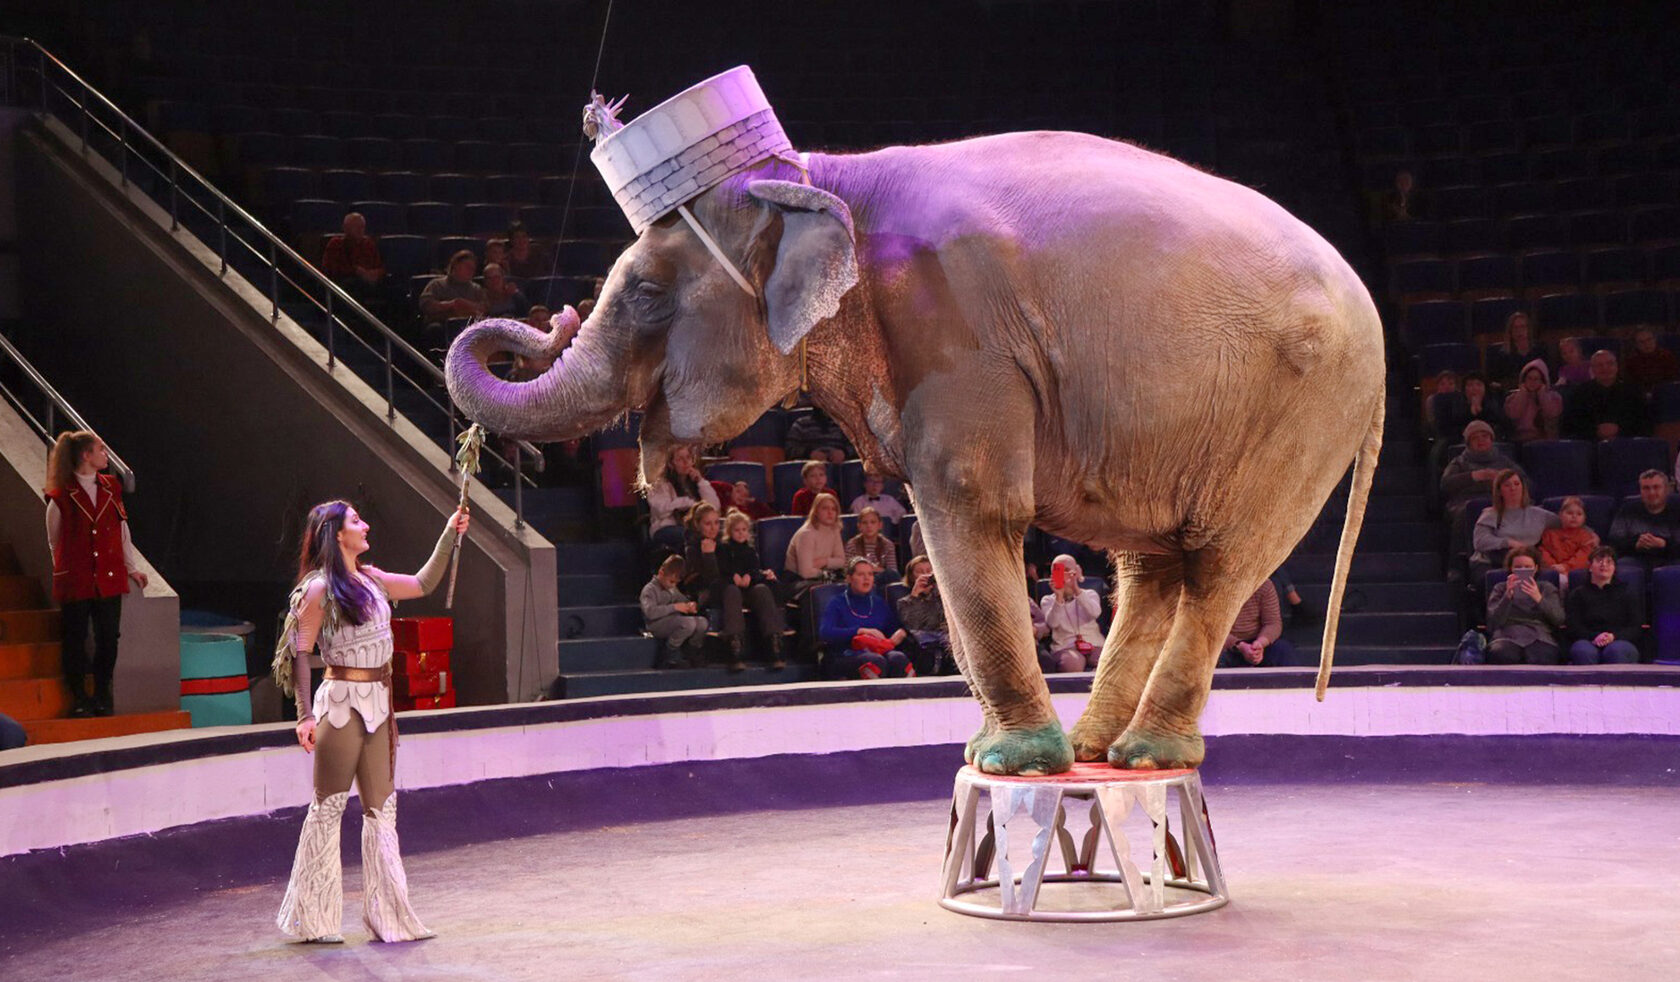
[(431, 574), (309, 627)]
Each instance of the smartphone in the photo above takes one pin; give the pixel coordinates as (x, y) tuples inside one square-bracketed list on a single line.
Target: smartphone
[(1523, 574), (1058, 577)]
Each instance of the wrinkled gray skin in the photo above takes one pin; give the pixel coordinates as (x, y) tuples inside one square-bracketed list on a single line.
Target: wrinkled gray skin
[(1033, 327)]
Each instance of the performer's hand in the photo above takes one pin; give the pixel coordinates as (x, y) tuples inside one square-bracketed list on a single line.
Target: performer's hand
[(460, 520), (306, 734), (138, 577)]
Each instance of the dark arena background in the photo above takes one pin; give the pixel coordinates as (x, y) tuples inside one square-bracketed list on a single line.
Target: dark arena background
[(179, 273)]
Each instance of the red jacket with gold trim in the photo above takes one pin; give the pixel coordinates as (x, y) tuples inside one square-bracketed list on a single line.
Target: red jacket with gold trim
[(88, 564)]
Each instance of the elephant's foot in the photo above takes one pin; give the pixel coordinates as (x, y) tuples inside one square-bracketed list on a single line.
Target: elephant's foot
[(986, 731), (1028, 753), (1144, 750), (1091, 737)]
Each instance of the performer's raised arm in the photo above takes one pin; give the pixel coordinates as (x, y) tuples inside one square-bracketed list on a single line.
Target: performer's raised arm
[(405, 586)]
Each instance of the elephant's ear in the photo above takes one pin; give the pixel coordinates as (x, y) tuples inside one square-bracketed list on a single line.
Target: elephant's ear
[(816, 262)]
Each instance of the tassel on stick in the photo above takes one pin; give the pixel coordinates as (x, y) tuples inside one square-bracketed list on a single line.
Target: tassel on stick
[(466, 462)]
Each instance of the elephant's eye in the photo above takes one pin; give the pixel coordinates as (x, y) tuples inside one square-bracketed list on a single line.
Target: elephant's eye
[(648, 288)]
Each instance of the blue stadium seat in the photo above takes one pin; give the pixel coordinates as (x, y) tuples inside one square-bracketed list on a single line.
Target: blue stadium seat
[(229, 118), (742, 470), (449, 245), (1443, 172), (1504, 168), (1536, 232), (1422, 278), (517, 189), (1387, 141), (450, 128), (311, 215), (1410, 238), (498, 129), (317, 151), (535, 158), (1656, 224), (773, 535), (458, 188), (405, 255), (427, 155), (481, 156), (1665, 264), (1587, 192), (1463, 201), (485, 218), (1633, 576), (1620, 265), (1551, 270), (1555, 130), (346, 185), (1621, 461), (769, 430), (383, 217), (1605, 127), (1558, 467), (1636, 308), (1460, 357), (1490, 136), (1435, 322), (403, 185), (786, 480), (1564, 163), (1469, 235), (540, 220), (432, 218), (293, 121), (283, 185), (1440, 138), (343, 124), (263, 149), (906, 529), (1524, 198), (552, 190), (1600, 509), (1565, 311), (1597, 228), (1487, 275), (1488, 315), (372, 153), (395, 126), (1665, 402), (1650, 188), (1665, 614)]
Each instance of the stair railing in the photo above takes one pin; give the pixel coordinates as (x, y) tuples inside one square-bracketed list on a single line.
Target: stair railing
[(56, 410)]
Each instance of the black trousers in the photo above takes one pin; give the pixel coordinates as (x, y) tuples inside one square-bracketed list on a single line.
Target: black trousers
[(105, 615)]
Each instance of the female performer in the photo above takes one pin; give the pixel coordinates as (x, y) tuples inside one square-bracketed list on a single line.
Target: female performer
[(345, 604)]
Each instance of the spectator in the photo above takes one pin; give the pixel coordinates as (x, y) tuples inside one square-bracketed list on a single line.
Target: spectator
[(1436, 408), (672, 618), (1568, 546), (1604, 615), (1523, 614), (679, 488), (538, 317), (922, 612), (748, 584), (1402, 202), (874, 496), (815, 436), (1532, 407), (817, 552), (742, 500), (495, 252), (351, 259), (860, 633), (12, 734), (815, 476), (1647, 532), (501, 294), (1041, 632), (1453, 413), (1604, 408), (1071, 611), (1506, 362), (1512, 521), (1471, 473), (870, 544), (1299, 611), (452, 296), (525, 258), (729, 590), (1256, 637), (1650, 364), (1572, 368)]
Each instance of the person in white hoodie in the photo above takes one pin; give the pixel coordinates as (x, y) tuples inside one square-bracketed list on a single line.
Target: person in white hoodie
[(1071, 611)]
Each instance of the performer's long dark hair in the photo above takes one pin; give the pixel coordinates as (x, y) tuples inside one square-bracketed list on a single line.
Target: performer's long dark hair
[(320, 552)]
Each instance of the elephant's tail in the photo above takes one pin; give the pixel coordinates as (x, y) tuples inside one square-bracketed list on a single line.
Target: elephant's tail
[(1364, 469)]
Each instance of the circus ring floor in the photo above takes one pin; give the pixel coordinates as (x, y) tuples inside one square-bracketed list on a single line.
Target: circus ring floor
[(1419, 824)]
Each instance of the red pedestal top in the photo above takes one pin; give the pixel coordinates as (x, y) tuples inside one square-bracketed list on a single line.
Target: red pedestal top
[(1085, 772)]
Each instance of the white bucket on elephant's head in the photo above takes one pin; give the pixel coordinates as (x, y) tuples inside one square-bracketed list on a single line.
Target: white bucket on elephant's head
[(687, 144)]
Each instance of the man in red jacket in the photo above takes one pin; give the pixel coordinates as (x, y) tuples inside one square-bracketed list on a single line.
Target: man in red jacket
[(352, 261), (93, 562)]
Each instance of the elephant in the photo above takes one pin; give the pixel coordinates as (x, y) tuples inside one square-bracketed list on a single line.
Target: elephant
[(1046, 328)]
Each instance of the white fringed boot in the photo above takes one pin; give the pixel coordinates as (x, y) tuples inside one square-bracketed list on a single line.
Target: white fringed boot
[(313, 909), (385, 908)]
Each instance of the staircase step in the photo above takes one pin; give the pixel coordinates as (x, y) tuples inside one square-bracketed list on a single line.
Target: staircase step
[(555, 502), (624, 653), (36, 698), (604, 621), (1402, 478), (621, 559), (586, 589), (584, 685), (1424, 595), (100, 727), (1410, 628), (1378, 508), (1373, 536), (1368, 567), (37, 660), (27, 626), (19, 592)]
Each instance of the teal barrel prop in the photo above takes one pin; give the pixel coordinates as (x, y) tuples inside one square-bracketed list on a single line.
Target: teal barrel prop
[(214, 687)]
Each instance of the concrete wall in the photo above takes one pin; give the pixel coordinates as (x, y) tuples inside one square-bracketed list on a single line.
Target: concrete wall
[(148, 675), (236, 426)]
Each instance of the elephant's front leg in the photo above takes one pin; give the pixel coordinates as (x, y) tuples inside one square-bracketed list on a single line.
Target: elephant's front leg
[(974, 501)]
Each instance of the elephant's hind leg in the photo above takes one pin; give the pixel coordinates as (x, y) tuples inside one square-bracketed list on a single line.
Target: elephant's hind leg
[(1146, 595), (1163, 731)]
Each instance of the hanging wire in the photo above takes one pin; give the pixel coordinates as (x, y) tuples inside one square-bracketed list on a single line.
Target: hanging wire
[(577, 161)]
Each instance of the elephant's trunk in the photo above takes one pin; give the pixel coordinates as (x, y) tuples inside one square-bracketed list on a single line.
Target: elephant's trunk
[(581, 391)]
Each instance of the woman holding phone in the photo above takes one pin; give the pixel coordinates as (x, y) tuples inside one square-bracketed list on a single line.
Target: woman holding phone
[(1524, 614)]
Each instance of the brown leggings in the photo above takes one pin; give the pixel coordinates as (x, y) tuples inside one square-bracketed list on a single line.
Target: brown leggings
[(343, 753)]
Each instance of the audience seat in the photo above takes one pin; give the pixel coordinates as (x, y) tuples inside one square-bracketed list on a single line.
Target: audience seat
[(773, 536), (618, 450), (1665, 614), (905, 530), (785, 482), (762, 442), (1558, 467), (1636, 308), (1621, 461), (1555, 312), (1435, 322), (745, 470), (458, 189), (1423, 279), (1525, 232), (383, 217), (405, 186), (486, 219), (315, 215), (1488, 314), (372, 152), (1600, 509), (421, 154), (432, 218), (1487, 275), (406, 255)]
